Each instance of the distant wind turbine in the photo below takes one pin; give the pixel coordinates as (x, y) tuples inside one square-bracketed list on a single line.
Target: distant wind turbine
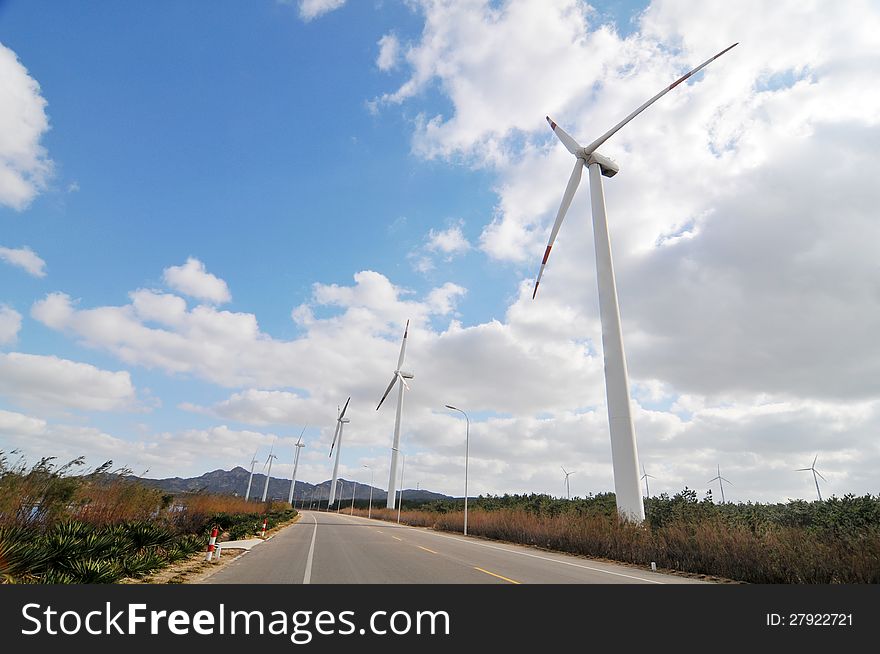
[(720, 481), (269, 472), (646, 477), (254, 461), (341, 420), (816, 474), (624, 453), (399, 377), (297, 446), (567, 488)]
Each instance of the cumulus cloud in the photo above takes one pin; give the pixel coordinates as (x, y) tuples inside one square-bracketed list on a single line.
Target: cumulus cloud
[(24, 258), (24, 164), (194, 280), (389, 52), (10, 324), (33, 379), (311, 9)]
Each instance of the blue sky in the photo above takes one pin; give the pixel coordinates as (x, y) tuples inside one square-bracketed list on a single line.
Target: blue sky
[(337, 193)]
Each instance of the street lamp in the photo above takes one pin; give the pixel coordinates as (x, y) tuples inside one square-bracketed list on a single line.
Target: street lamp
[(339, 499), (467, 437), (370, 511), (353, 491)]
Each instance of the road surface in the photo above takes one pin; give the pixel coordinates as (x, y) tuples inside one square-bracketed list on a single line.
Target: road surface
[(331, 548)]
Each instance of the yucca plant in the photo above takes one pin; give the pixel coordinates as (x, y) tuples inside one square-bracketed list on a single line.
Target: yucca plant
[(141, 563), (146, 534), (94, 571)]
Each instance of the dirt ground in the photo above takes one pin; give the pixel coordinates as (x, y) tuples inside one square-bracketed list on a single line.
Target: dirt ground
[(195, 568)]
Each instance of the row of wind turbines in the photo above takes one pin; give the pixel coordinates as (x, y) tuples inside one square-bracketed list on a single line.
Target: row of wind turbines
[(399, 377), (624, 450)]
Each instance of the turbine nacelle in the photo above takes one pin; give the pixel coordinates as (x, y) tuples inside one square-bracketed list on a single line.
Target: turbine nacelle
[(405, 375)]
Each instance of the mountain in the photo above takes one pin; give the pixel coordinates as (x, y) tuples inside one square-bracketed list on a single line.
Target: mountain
[(234, 482)]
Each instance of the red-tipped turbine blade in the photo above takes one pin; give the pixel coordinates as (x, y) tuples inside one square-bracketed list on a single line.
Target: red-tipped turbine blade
[(387, 390), (570, 144), (402, 347), (567, 197), (599, 141)]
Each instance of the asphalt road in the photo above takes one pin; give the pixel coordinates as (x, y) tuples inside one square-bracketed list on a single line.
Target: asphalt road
[(330, 548)]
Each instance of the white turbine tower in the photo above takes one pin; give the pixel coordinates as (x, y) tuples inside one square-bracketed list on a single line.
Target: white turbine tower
[(624, 453), (254, 461), (720, 481), (299, 444), (815, 472), (399, 377), (341, 420), (646, 477), (567, 487), (269, 471)]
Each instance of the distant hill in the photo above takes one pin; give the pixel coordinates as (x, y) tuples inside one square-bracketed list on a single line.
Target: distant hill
[(234, 482)]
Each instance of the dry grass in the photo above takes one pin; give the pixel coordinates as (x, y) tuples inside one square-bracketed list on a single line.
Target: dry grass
[(773, 554)]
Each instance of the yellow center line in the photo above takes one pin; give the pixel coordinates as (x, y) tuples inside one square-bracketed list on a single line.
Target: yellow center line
[(499, 576), (426, 549)]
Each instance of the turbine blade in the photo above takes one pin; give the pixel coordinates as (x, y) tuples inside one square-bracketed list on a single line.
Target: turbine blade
[(403, 381), (814, 461), (301, 435), (387, 390), (403, 346), (611, 132), (570, 144), (820, 475), (341, 415), (333, 444), (567, 197), (802, 469)]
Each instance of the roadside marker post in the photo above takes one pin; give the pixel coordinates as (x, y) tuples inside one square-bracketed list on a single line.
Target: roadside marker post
[(211, 544), (217, 552), (265, 523)]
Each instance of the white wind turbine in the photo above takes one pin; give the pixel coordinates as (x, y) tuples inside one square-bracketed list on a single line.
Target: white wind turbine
[(269, 471), (297, 446), (624, 453), (399, 377), (646, 477), (720, 481), (567, 487), (254, 461), (815, 472), (341, 420)]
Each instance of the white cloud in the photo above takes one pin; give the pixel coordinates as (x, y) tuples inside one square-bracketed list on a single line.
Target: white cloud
[(24, 164), (389, 52), (10, 324), (311, 9), (24, 258), (192, 279), (449, 241), (48, 381)]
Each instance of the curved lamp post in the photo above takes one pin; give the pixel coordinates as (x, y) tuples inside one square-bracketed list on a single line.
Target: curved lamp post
[(466, 448)]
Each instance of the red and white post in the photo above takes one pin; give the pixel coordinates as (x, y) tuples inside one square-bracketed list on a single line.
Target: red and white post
[(212, 544), (265, 523)]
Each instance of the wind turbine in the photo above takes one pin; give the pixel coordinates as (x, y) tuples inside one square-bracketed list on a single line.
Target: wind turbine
[(624, 454), (299, 444), (254, 461), (567, 488), (269, 472), (399, 377), (341, 420), (720, 481), (646, 477), (815, 472)]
